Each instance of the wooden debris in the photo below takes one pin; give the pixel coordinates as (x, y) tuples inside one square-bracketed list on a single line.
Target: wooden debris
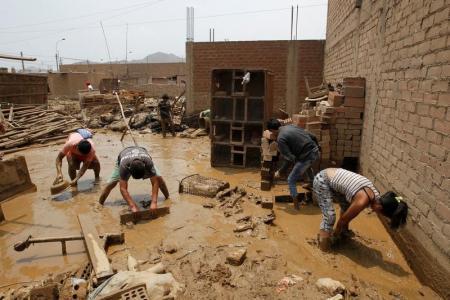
[(31, 124), (143, 215), (94, 247)]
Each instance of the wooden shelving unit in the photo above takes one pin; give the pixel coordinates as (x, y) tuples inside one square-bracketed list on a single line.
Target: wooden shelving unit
[(238, 114)]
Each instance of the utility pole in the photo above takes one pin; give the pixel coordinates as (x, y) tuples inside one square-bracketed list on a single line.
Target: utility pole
[(126, 48), (23, 64)]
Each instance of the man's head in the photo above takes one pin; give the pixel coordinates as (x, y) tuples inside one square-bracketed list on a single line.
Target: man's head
[(273, 125), (137, 169), (84, 147), (393, 207), (165, 97)]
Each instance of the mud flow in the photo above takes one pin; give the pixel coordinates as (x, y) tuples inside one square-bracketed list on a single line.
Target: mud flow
[(198, 241)]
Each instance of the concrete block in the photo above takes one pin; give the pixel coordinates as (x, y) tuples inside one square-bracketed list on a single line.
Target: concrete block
[(266, 185), (267, 203)]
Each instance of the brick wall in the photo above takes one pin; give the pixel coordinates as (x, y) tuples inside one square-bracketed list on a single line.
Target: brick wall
[(23, 88), (288, 61), (402, 49)]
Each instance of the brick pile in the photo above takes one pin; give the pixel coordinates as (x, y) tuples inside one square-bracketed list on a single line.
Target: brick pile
[(336, 122)]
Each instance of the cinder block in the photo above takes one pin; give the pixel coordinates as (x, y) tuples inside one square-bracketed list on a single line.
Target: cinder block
[(266, 185)]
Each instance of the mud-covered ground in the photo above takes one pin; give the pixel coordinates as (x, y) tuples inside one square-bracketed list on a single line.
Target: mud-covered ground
[(199, 238)]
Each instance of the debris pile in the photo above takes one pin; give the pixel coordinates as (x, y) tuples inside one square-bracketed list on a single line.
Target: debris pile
[(141, 115), (31, 124)]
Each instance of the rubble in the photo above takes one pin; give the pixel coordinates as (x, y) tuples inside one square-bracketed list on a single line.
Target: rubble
[(237, 257), (330, 286)]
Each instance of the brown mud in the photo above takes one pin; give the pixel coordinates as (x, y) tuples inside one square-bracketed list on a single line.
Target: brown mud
[(370, 265)]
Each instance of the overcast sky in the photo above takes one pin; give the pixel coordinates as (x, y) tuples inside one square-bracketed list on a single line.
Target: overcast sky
[(35, 26)]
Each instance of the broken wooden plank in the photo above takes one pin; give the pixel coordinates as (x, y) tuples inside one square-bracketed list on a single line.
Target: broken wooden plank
[(143, 215), (94, 247)]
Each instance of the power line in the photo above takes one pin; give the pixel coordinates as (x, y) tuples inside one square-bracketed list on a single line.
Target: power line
[(85, 16), (167, 20), (158, 21)]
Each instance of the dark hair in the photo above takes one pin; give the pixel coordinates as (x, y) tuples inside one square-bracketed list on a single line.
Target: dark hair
[(137, 169), (273, 124), (165, 97), (394, 208), (84, 146)]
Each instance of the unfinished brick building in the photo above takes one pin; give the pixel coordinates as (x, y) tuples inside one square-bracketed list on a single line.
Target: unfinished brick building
[(402, 49), (289, 62)]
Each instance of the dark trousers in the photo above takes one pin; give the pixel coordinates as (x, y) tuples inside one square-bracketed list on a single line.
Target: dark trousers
[(164, 123)]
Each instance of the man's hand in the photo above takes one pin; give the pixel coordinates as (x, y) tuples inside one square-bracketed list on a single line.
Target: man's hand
[(59, 178), (74, 182), (153, 205), (134, 208)]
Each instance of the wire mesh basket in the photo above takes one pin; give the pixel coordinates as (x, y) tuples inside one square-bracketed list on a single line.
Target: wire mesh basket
[(202, 186)]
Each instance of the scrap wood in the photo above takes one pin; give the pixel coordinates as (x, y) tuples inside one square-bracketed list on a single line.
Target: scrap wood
[(35, 125)]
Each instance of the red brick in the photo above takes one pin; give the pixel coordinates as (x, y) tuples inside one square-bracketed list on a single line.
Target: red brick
[(354, 102), (354, 91)]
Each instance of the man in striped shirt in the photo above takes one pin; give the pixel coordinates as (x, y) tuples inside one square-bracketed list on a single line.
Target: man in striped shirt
[(354, 193)]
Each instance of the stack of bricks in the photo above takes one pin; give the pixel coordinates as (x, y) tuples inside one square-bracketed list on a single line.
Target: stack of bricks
[(269, 161), (96, 100), (337, 122), (347, 130)]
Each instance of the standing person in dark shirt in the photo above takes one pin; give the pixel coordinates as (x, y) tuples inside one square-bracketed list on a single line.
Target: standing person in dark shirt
[(165, 114), (137, 163), (298, 147)]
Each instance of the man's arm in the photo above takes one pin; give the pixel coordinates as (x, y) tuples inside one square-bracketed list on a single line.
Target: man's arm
[(155, 189), (289, 158), (124, 191), (59, 159), (81, 172)]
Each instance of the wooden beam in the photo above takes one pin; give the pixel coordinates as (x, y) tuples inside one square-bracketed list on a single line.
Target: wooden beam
[(143, 215), (13, 57), (94, 247)]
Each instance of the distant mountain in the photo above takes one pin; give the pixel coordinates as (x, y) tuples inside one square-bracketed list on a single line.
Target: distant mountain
[(159, 57)]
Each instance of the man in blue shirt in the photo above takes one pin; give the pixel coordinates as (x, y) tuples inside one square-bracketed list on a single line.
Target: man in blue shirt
[(298, 147)]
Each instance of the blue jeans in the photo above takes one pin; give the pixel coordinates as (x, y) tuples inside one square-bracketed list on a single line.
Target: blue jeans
[(298, 170)]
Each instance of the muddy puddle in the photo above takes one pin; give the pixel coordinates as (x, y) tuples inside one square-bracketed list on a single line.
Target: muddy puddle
[(201, 236)]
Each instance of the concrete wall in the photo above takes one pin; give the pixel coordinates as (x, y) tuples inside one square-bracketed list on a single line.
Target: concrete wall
[(402, 49), (68, 84), (23, 88), (289, 61)]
